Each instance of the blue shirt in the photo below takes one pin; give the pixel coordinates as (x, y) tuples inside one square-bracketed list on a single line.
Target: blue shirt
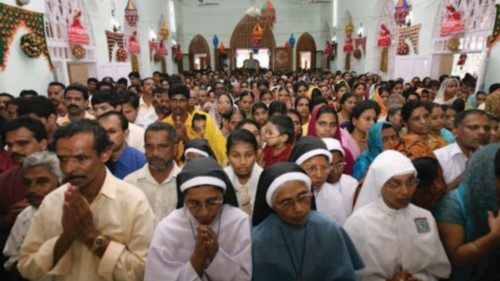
[(329, 253), (130, 161)]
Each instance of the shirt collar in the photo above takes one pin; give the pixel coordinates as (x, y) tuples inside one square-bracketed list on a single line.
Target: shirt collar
[(145, 174), (108, 188), (456, 150)]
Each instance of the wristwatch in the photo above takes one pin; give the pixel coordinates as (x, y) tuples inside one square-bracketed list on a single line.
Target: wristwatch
[(98, 242)]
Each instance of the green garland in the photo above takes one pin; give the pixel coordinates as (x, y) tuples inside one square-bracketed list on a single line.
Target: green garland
[(11, 19), (30, 44)]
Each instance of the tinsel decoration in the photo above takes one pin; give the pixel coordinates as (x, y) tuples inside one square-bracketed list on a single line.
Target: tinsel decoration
[(453, 44), (267, 15), (496, 30), (121, 54), (76, 32), (30, 44), (360, 42), (163, 65), (403, 48), (401, 11), (452, 22), (11, 19), (164, 32), (112, 39), (348, 61), (412, 32), (131, 14), (384, 60), (161, 50), (78, 52), (134, 60)]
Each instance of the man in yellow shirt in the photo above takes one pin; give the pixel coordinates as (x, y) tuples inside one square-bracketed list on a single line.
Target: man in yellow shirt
[(182, 120)]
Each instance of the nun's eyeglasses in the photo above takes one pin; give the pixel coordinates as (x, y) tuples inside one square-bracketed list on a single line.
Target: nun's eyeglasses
[(209, 204), (289, 204), (396, 184)]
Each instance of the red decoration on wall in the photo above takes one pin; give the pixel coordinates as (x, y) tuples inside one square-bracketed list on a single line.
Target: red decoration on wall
[(131, 14), (412, 32), (401, 11), (112, 39), (153, 46), (76, 33), (452, 23), (348, 46), (360, 42), (133, 45), (268, 15), (385, 37), (222, 48)]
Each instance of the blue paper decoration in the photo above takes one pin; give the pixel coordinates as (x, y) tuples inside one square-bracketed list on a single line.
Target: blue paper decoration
[(291, 40), (215, 41)]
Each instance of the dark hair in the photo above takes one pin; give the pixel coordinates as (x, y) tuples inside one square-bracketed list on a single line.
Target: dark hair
[(247, 121), (259, 105), (315, 101), (160, 90), (130, 98), (198, 117), (393, 109), (161, 126), (345, 97), (122, 80), (25, 93), (410, 92), (338, 86), (263, 82), (315, 93), (101, 140), (326, 109), (359, 109), (494, 87), (293, 111), (39, 105), (35, 126), (104, 84), (108, 79), (409, 107), (108, 96), (59, 84), (427, 171), (121, 117), (241, 135), (284, 124), (462, 115), (297, 100), (245, 94), (298, 84), (458, 105), (134, 74), (433, 83), (92, 79), (3, 123), (7, 95), (357, 84), (431, 105), (178, 89), (77, 87), (264, 92), (277, 107)]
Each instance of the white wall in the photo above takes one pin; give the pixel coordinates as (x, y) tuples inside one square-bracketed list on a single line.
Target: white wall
[(222, 19), (22, 72)]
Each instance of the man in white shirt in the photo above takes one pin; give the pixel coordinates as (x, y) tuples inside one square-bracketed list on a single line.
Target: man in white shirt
[(106, 101), (157, 178), (472, 131), (95, 227), (147, 112)]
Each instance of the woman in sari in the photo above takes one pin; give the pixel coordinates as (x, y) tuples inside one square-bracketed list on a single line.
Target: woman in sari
[(468, 219)]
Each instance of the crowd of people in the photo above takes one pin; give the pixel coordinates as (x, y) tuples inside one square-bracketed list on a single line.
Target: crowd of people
[(251, 175)]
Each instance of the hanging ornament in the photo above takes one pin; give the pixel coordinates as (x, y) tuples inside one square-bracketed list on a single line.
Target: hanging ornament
[(133, 45), (131, 14), (411, 32), (162, 51), (267, 15), (78, 52), (462, 60), (257, 33), (134, 61), (452, 22), (31, 45), (291, 40), (121, 54), (22, 2), (384, 60), (384, 36), (76, 33), (222, 48), (401, 11), (215, 41), (403, 48), (453, 44), (164, 32), (357, 53)]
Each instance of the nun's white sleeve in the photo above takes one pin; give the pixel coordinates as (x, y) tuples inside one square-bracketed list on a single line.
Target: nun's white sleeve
[(238, 265)]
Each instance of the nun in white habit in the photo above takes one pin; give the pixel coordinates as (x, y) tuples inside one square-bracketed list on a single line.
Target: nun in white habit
[(312, 155), (208, 237), (396, 239)]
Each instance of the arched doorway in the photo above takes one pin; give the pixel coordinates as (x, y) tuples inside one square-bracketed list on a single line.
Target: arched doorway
[(241, 44), (306, 52), (199, 53)]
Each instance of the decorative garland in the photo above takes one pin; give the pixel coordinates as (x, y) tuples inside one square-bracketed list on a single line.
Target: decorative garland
[(135, 62), (30, 44), (121, 54), (412, 32), (11, 19), (78, 52), (112, 39)]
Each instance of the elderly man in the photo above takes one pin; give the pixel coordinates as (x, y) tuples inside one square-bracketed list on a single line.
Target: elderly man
[(95, 227), (40, 175)]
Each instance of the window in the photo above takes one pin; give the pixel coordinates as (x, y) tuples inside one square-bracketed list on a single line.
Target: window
[(263, 56)]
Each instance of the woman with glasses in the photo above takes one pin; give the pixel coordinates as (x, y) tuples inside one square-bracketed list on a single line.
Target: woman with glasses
[(208, 236), (289, 240), (312, 155), (396, 239)]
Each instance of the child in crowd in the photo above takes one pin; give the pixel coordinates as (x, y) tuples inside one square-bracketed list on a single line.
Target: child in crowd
[(278, 135)]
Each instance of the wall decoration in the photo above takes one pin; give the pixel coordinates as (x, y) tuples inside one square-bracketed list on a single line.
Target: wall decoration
[(401, 11), (411, 32), (215, 41), (134, 60), (76, 32), (267, 15), (131, 14), (496, 29), (360, 42), (348, 44), (133, 45), (462, 60), (453, 44), (112, 39), (384, 41), (452, 23), (357, 53), (121, 54), (256, 37), (403, 48), (78, 52), (11, 20), (153, 46), (164, 32), (222, 48), (31, 45), (22, 2), (291, 40)]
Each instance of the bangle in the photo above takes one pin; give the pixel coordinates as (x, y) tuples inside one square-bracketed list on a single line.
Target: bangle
[(476, 248)]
